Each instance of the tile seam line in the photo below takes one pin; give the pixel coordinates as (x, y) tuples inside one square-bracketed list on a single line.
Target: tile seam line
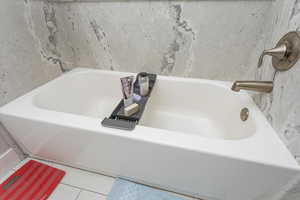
[(83, 189)]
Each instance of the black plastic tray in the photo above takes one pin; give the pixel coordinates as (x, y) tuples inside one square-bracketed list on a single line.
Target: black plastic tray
[(129, 122)]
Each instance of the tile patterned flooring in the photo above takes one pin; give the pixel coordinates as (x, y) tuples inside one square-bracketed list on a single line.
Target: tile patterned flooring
[(79, 184)]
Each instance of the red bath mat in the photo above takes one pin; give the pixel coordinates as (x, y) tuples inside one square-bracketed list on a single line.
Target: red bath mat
[(33, 181)]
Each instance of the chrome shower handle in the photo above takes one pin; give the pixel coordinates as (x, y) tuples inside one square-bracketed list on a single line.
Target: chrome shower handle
[(279, 52), (286, 53)]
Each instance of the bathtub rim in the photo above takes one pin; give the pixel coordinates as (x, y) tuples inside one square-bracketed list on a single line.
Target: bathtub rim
[(23, 107)]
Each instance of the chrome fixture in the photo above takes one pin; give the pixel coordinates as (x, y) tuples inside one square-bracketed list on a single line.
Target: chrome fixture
[(258, 86), (244, 114), (286, 53), (284, 56)]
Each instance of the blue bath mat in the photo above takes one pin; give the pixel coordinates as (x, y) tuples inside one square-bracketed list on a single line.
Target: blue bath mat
[(126, 190)]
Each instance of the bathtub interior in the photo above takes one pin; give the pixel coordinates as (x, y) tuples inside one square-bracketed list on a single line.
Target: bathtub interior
[(190, 107), (201, 109), (85, 94)]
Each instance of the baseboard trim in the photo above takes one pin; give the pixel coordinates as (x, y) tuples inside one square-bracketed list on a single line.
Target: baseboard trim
[(8, 160)]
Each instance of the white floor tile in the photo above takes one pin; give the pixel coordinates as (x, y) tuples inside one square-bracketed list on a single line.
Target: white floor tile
[(64, 192), (85, 195), (82, 179), (20, 164), (5, 176), (86, 180)]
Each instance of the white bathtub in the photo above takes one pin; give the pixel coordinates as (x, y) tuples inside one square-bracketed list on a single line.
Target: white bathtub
[(190, 140)]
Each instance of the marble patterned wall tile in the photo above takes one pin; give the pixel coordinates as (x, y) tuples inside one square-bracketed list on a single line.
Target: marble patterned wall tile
[(21, 66), (180, 38), (282, 106)]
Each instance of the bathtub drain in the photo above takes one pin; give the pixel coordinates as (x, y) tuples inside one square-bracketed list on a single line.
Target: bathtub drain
[(244, 114)]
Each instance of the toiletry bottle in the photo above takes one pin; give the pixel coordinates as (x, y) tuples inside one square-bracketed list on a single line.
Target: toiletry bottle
[(127, 90), (143, 80)]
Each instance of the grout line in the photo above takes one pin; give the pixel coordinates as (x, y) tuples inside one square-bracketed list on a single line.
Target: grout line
[(97, 193), (78, 195), (97, 173), (83, 189), (74, 167)]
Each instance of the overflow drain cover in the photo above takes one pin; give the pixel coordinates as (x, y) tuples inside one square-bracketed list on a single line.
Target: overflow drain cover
[(244, 114)]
